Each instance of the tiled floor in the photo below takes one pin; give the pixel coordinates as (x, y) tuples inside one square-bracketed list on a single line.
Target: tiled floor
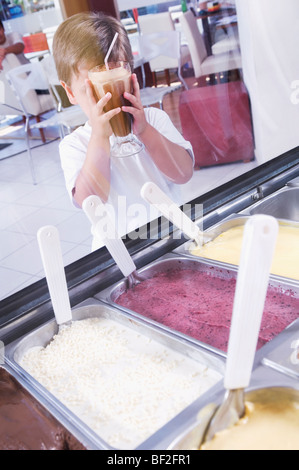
[(25, 207)]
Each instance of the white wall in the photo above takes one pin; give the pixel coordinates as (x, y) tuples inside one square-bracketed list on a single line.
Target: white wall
[(269, 44)]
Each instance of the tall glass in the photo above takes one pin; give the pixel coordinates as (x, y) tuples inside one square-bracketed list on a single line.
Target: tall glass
[(117, 80)]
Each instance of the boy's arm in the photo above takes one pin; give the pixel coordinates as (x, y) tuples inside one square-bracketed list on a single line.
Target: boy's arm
[(172, 160), (94, 177), (16, 48)]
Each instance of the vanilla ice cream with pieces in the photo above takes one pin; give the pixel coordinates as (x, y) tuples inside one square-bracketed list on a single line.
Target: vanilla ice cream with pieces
[(121, 383)]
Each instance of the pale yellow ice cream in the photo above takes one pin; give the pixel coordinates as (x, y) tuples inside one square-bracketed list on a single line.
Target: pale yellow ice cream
[(272, 425), (227, 248)]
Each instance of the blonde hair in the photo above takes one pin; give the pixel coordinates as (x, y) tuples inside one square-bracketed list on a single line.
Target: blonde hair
[(84, 40)]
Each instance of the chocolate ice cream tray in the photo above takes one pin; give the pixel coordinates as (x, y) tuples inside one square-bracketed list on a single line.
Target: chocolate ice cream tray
[(93, 308), (47, 430)]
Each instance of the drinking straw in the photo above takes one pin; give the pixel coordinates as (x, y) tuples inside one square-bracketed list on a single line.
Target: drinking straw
[(109, 51)]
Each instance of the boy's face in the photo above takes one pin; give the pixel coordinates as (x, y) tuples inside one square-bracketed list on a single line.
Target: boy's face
[(76, 91)]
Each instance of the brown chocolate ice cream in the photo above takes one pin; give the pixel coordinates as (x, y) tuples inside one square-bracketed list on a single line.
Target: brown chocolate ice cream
[(25, 424)]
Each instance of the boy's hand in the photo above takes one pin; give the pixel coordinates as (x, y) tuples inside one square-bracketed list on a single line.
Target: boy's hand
[(98, 118), (136, 110)]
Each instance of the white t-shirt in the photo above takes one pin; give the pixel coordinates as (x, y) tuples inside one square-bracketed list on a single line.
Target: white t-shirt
[(128, 174)]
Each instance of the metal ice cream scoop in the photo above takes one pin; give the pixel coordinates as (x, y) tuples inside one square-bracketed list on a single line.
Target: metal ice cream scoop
[(260, 234), (96, 212), (50, 250)]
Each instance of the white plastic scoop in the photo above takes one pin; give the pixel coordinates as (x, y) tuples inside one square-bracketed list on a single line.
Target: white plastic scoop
[(50, 250), (151, 193), (260, 234), (100, 220)]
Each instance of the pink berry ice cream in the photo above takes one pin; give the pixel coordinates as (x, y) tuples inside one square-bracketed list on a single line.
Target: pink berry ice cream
[(200, 305)]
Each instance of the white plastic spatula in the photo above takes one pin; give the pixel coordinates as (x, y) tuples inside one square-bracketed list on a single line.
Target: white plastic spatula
[(50, 250), (259, 239), (151, 193), (105, 229)]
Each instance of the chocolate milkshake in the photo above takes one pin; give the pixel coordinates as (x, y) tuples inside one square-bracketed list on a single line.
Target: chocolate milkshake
[(116, 80)]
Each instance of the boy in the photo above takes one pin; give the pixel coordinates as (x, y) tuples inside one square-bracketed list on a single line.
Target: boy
[(80, 43)]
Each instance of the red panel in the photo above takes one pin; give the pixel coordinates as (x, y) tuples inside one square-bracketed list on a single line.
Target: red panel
[(35, 43), (217, 121)]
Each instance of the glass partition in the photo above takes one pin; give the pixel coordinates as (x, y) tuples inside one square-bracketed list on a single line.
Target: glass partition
[(235, 119)]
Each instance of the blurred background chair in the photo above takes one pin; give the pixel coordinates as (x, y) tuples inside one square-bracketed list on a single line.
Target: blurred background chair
[(55, 87), (228, 43), (164, 46), (204, 65), (156, 23), (68, 116), (9, 103), (25, 80), (226, 36)]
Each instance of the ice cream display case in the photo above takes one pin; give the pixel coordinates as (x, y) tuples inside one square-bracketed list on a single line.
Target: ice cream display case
[(60, 368), (116, 375)]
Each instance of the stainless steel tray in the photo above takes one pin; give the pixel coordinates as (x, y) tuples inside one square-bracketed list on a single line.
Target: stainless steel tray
[(172, 261), (187, 437), (93, 308), (283, 204), (282, 354), (234, 220), (262, 377), (165, 263)]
